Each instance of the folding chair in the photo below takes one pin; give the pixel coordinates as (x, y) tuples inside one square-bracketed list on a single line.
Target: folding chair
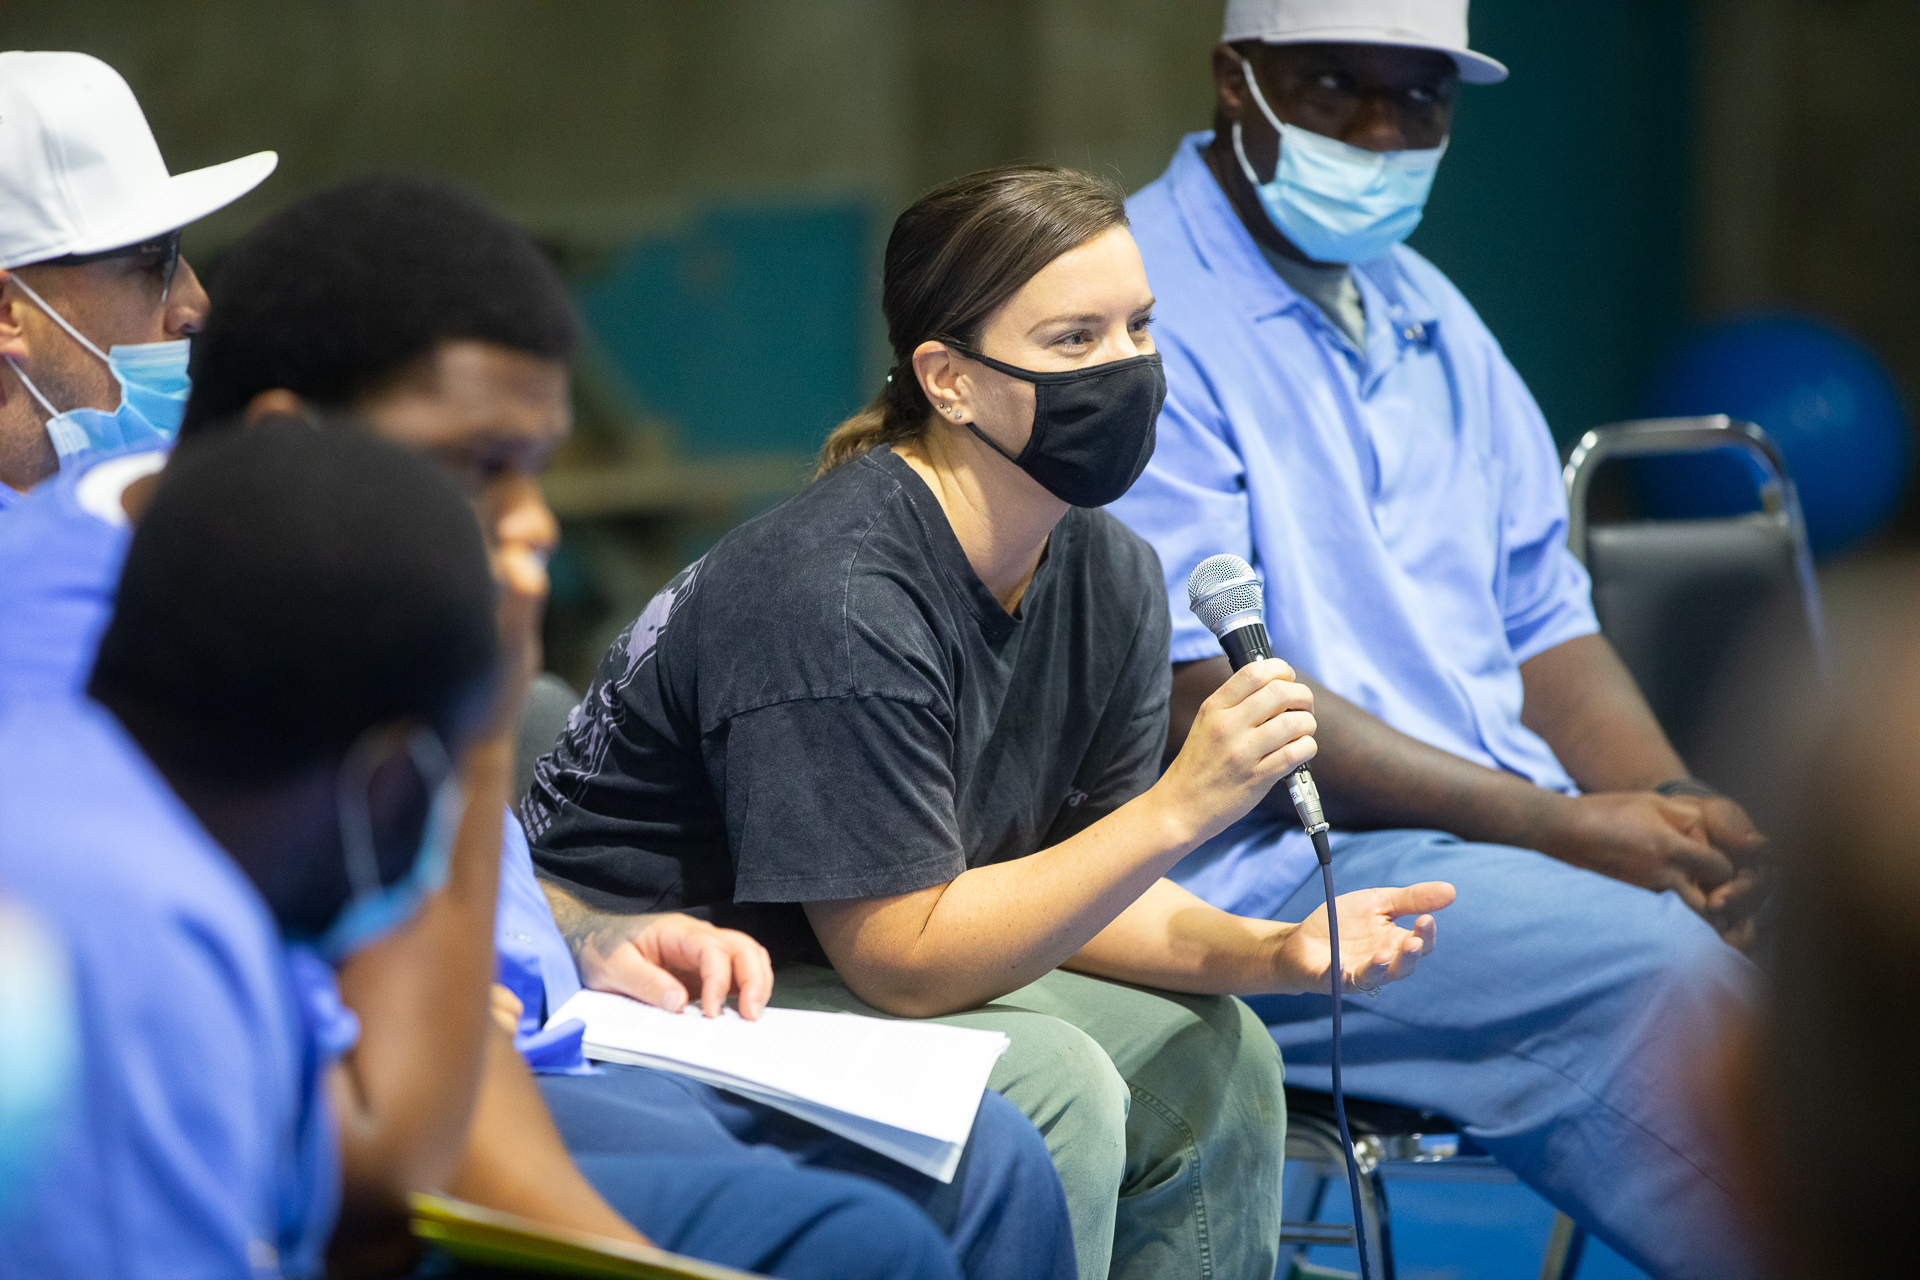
[(550, 700), (1676, 597), (1409, 1143)]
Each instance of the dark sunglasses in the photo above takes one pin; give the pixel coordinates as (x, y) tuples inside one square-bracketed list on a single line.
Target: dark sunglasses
[(166, 248)]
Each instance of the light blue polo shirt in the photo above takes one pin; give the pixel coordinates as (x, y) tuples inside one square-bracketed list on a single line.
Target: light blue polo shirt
[(61, 551), (61, 548), (532, 960), (1402, 503), (202, 1141)]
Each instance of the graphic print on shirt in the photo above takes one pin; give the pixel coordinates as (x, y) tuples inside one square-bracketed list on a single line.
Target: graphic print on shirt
[(590, 724)]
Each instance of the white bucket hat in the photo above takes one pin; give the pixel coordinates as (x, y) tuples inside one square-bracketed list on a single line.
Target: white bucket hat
[(1420, 24), (80, 171)]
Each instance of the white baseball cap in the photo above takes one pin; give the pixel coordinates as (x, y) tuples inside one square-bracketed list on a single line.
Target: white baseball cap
[(1418, 24), (79, 169)]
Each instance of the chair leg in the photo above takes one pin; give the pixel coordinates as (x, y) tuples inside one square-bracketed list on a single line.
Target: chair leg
[(1565, 1244), (1318, 1143), (1576, 1249), (1379, 1223)]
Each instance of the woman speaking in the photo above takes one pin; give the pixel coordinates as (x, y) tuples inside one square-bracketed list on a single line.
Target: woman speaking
[(906, 730)]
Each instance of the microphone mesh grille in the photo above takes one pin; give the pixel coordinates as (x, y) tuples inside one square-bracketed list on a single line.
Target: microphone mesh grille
[(1210, 574), (1221, 588), (1217, 608)]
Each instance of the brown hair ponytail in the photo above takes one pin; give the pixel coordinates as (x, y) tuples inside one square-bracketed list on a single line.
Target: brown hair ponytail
[(954, 257)]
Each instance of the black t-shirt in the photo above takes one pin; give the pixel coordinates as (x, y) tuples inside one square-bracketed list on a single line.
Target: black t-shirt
[(830, 704)]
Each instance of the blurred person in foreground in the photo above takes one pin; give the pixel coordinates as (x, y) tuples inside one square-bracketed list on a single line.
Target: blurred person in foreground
[(459, 352), (1816, 1092), (1338, 415), (207, 847), (39, 1049), (97, 306)]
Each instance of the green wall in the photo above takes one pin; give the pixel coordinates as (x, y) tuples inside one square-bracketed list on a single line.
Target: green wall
[(1562, 208)]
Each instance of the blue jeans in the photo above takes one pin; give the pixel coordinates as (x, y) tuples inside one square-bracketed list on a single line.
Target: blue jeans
[(1004, 1212), (1557, 1022), (798, 1224)]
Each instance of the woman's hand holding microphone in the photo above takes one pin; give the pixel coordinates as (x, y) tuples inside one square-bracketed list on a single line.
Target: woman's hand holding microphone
[(1249, 734)]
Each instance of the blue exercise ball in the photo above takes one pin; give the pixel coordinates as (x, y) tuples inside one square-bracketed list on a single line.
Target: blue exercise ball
[(1825, 400)]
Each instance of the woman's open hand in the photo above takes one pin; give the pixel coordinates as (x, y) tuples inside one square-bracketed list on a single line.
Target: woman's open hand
[(1373, 949)]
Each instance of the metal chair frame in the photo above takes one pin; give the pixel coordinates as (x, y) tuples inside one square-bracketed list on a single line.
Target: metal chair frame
[(1653, 437), (1427, 1149)]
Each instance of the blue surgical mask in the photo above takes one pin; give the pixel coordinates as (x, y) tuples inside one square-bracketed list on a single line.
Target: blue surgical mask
[(153, 393), (377, 909), (1335, 202)]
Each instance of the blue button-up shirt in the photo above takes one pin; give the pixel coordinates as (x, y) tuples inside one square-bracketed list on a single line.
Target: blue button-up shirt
[(1402, 503)]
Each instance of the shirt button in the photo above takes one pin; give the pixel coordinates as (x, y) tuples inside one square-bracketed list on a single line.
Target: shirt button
[(1414, 332)]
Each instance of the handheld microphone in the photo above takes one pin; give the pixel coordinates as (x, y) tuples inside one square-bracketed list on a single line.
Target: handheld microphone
[(1230, 602), (1227, 597)]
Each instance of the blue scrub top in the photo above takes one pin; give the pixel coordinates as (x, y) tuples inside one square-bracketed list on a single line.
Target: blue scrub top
[(61, 551), (532, 961), (61, 548), (1402, 502), (202, 1142)]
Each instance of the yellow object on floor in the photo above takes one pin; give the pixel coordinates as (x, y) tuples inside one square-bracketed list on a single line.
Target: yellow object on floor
[(502, 1240)]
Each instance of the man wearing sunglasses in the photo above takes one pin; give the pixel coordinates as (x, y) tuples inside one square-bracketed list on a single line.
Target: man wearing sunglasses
[(96, 304)]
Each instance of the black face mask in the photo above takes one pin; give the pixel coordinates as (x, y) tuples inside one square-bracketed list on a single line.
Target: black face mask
[(1092, 427)]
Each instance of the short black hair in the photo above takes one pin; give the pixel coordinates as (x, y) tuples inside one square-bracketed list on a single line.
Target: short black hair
[(289, 588), (344, 290)]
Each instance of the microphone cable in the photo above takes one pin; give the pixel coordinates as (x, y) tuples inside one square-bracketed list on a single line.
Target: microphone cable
[(1227, 596), (1306, 803)]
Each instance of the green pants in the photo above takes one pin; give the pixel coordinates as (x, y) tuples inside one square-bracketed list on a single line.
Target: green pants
[(1164, 1114)]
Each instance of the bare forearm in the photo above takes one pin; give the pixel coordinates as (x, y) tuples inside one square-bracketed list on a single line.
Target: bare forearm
[(589, 932), (1175, 941), (994, 929), (1372, 776), (370, 1235), (515, 1161), (421, 996), (1583, 701)]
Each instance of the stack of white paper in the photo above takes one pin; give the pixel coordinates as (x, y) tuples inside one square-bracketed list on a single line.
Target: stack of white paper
[(908, 1090)]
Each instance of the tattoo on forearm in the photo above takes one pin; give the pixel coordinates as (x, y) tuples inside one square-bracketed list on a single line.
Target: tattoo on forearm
[(590, 934)]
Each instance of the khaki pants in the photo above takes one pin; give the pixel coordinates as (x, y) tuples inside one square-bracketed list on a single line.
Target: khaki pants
[(1164, 1114)]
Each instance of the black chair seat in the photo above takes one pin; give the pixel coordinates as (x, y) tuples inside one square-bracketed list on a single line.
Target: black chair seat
[(550, 700), (1675, 597), (1364, 1115)]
